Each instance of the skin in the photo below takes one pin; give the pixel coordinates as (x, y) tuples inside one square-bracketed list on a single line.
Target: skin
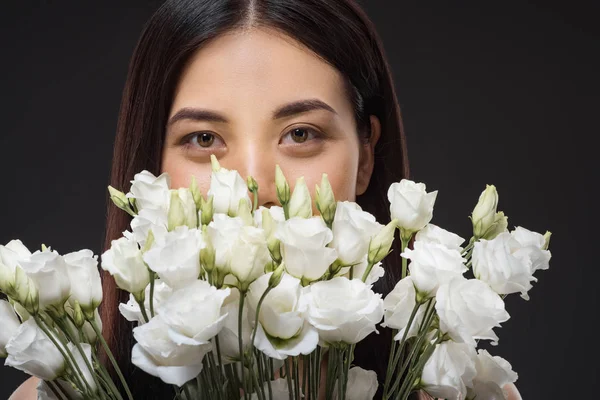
[(245, 76)]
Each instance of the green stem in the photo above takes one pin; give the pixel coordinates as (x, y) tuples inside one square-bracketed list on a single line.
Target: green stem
[(104, 375), (367, 271), (142, 308), (111, 357), (151, 293), (53, 387), (296, 377), (241, 343), (288, 376), (404, 244)]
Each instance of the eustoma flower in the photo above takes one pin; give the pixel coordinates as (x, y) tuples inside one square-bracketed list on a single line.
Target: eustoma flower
[(493, 373), (86, 287), (411, 205), (398, 306), (362, 385), (250, 257), (149, 191), (228, 188), (125, 263), (10, 325)]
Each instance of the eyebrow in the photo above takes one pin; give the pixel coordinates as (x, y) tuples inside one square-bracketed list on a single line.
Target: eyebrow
[(287, 110)]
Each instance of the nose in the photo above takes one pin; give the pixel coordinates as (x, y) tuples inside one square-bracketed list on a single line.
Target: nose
[(256, 160)]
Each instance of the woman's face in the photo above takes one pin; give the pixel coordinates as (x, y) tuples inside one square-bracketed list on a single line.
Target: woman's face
[(258, 98)]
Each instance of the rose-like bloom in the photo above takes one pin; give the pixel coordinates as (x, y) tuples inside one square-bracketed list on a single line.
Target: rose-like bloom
[(156, 354), (45, 393), (48, 270), (10, 256), (469, 309), (303, 247), (228, 336), (433, 264), (228, 188), (493, 373), (362, 385), (411, 205), (86, 287), (449, 370), (342, 310), (10, 325), (175, 257), (359, 270), (131, 310), (531, 249), (146, 220), (398, 306), (222, 233), (276, 212), (193, 313), (250, 256), (352, 229), (434, 234), (32, 352), (495, 263), (125, 263), (281, 318), (150, 191)]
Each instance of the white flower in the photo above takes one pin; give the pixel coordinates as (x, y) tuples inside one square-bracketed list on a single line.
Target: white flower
[(125, 263), (398, 306), (362, 385), (131, 310), (300, 202), (495, 263), (48, 270), (150, 191), (193, 313), (352, 229), (303, 247), (434, 234), (86, 287), (276, 212), (32, 352), (493, 373), (12, 253), (147, 219), (484, 213), (279, 389), (449, 370), (532, 249), (156, 354), (433, 264), (410, 204), (469, 309), (222, 232), (250, 256), (281, 317), (45, 393), (342, 310), (10, 325), (175, 257), (228, 188), (359, 269), (79, 360), (89, 332), (228, 336)]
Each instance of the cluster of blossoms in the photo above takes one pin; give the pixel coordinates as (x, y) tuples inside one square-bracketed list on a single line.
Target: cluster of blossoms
[(232, 299)]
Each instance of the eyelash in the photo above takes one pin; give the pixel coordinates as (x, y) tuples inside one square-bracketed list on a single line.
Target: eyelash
[(187, 143)]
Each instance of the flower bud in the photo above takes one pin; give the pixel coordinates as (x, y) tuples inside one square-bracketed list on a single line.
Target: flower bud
[(245, 213), (283, 188), (325, 200), (381, 243), (214, 163), (484, 213), (206, 210), (26, 292), (547, 240), (120, 200), (78, 317), (276, 276), (7, 280), (195, 190), (300, 202), (500, 225), (252, 184), (208, 255), (176, 216)]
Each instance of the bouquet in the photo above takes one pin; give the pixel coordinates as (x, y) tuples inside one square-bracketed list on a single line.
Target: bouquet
[(235, 301)]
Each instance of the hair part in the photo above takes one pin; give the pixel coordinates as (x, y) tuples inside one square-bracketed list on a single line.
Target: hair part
[(337, 31)]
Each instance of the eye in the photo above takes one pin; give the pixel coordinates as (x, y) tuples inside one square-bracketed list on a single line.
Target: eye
[(200, 140), (301, 135)]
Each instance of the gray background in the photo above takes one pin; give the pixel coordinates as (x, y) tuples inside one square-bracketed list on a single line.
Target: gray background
[(491, 92)]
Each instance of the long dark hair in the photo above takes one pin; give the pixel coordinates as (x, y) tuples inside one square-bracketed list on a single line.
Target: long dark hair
[(340, 33)]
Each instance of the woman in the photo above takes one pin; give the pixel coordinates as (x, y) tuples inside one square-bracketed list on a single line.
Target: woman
[(300, 83)]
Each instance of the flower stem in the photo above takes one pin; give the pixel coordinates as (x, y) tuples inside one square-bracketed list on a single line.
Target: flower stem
[(111, 357), (241, 343), (404, 244), (151, 293)]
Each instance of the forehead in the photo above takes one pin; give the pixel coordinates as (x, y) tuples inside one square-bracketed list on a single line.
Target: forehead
[(258, 67)]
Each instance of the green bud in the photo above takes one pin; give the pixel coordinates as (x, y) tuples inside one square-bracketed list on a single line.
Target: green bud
[(149, 241), (325, 200), (484, 212), (335, 267), (206, 210), (547, 240), (274, 246), (252, 184), (120, 200), (283, 188), (214, 163), (195, 190), (300, 202), (380, 244), (500, 225), (276, 276), (26, 292), (207, 257), (244, 212), (78, 317), (268, 224), (176, 215)]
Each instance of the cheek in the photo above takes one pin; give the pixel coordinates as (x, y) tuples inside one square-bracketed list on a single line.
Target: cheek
[(181, 170)]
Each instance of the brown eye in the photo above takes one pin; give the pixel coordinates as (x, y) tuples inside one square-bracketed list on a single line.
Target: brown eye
[(299, 135), (205, 139)]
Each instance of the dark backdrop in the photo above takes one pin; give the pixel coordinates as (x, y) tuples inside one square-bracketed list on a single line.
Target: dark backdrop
[(491, 92)]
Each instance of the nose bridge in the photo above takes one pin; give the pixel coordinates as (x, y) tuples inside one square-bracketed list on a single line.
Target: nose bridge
[(256, 159)]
